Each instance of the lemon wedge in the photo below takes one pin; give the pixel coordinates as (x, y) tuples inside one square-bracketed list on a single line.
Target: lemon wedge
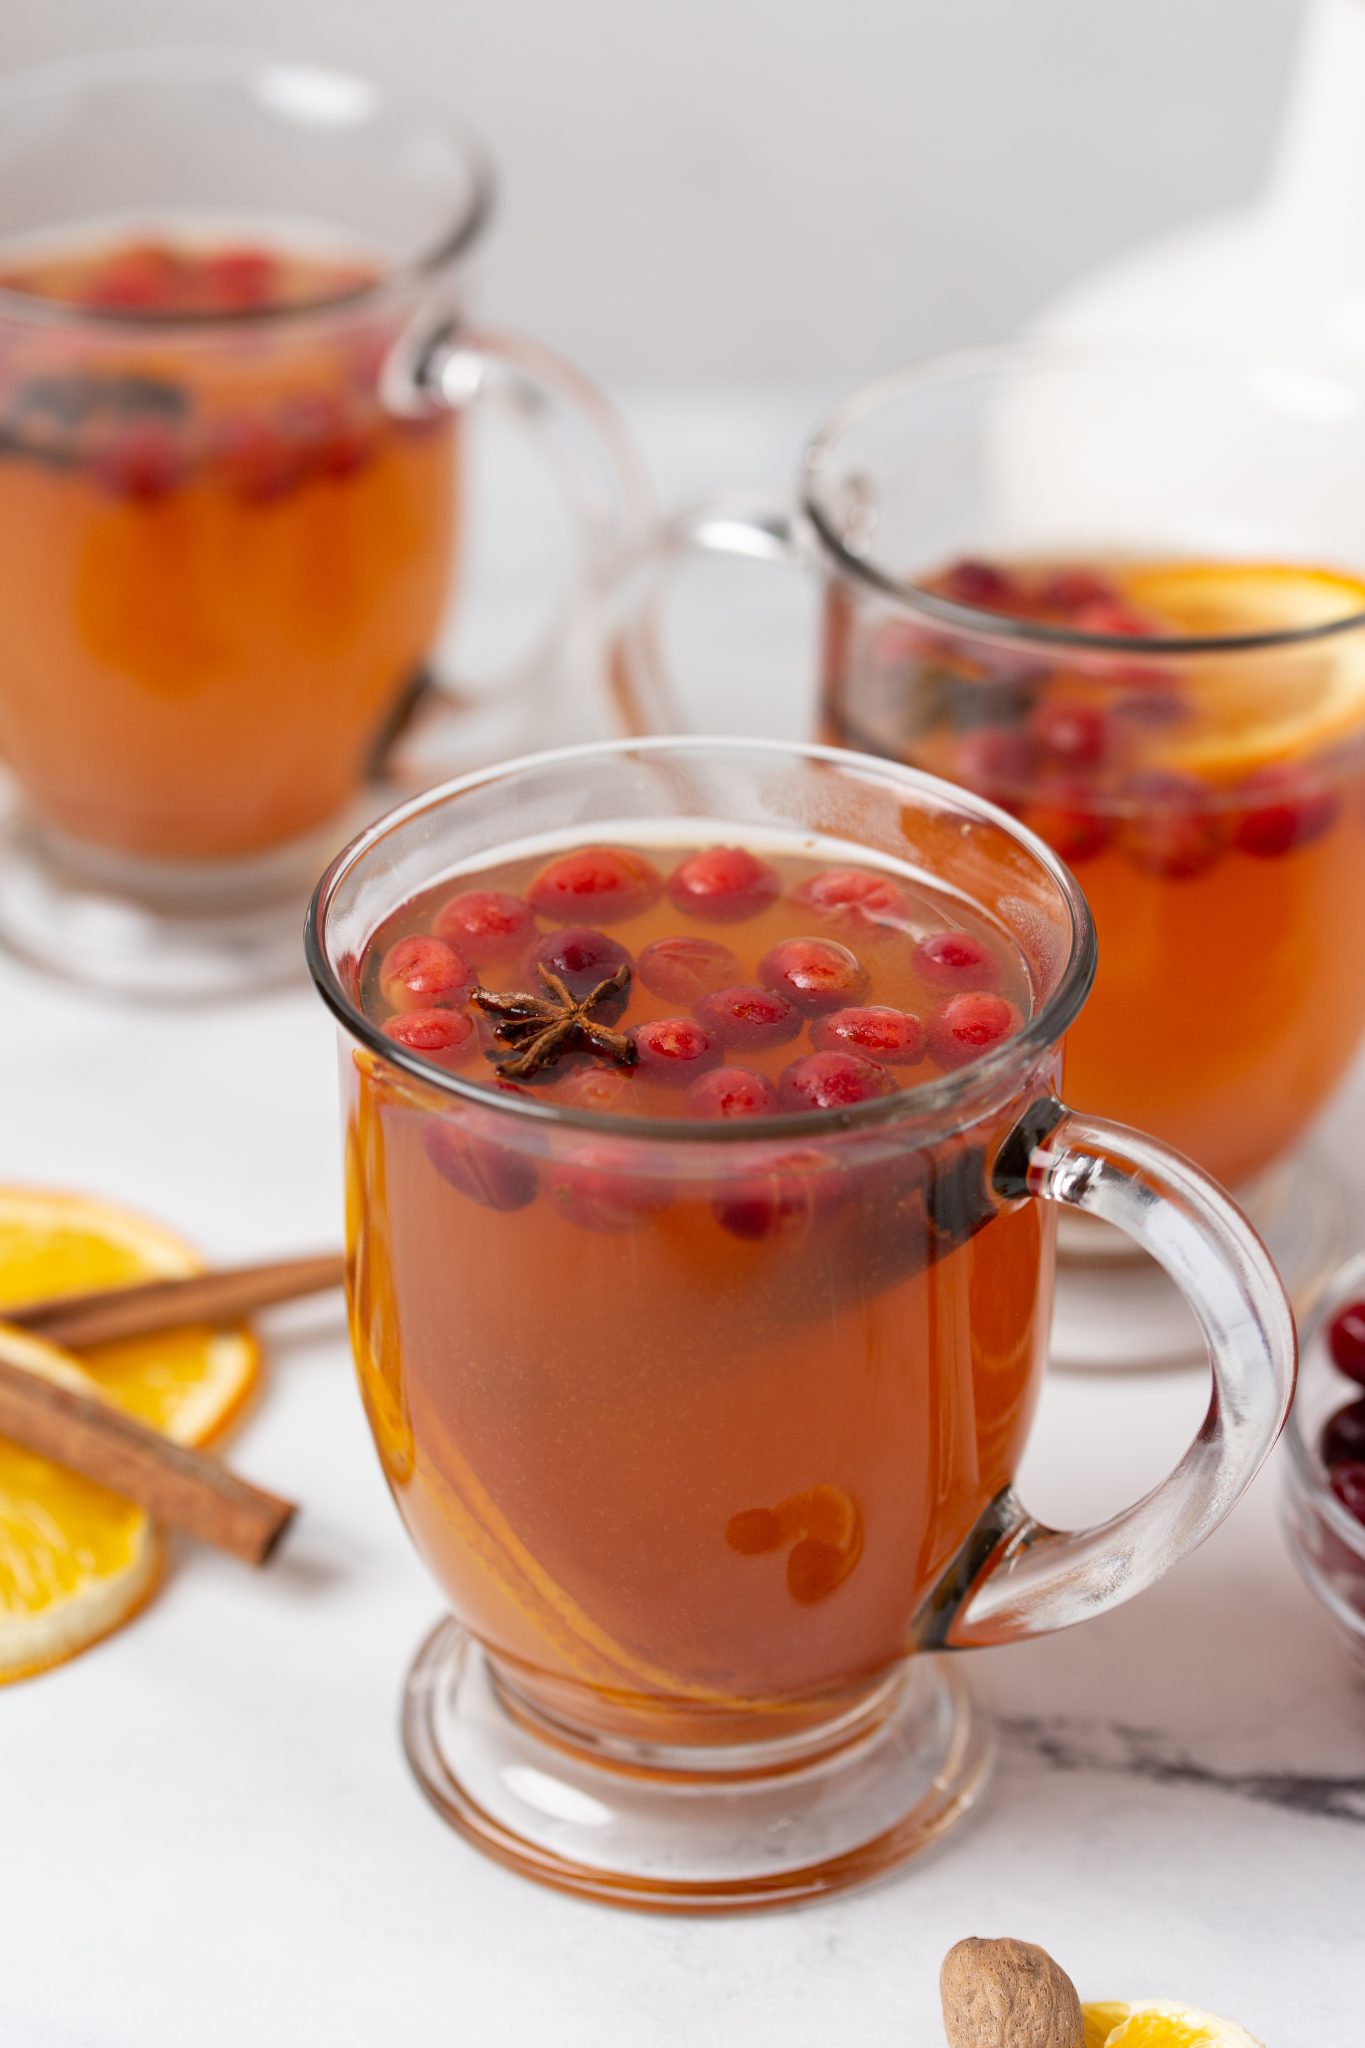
[(75, 1561), (186, 1383), (1158, 2024), (1248, 709)]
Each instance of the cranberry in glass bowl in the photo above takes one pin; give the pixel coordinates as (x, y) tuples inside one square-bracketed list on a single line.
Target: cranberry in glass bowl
[(1325, 1498)]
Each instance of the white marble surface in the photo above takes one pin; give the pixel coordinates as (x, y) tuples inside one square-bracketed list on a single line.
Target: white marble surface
[(209, 1835)]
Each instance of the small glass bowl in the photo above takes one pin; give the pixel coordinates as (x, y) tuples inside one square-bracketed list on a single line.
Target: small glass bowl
[(1327, 1542)]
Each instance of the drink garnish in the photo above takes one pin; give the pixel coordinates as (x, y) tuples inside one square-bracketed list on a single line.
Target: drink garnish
[(538, 1030)]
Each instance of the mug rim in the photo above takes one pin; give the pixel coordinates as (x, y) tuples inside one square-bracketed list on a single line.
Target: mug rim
[(923, 373), (1043, 1030), (242, 67)]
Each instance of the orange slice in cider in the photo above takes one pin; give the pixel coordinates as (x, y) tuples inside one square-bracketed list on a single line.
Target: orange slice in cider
[(1249, 709)]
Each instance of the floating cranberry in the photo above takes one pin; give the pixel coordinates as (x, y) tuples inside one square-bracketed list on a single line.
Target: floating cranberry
[(602, 1187), (1173, 830), (723, 883), (1346, 1340), (431, 1031), (143, 460), (488, 922), (967, 1026), (1072, 589), (1286, 808), (731, 1092), (257, 464), (606, 1090), (1114, 619), (497, 1176), (1343, 1436), (749, 1019), (582, 958), (832, 1080), (872, 905), (956, 960), (895, 1037), (815, 974), (672, 1050), (1000, 761), (1348, 1484), (1072, 735), (1073, 826), (418, 973), (979, 583), (610, 881), (780, 1198), (241, 280), (329, 437), (683, 969), (145, 277)]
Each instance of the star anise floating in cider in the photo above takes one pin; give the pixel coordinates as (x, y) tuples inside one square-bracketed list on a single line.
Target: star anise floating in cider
[(538, 1030)]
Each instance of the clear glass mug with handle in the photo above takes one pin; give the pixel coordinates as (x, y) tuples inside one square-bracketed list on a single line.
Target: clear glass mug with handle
[(708, 1431), (1121, 593), (237, 360)]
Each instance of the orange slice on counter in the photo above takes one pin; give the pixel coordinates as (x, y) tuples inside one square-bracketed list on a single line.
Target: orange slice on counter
[(1250, 710), (1157, 2024), (75, 1561), (187, 1383)]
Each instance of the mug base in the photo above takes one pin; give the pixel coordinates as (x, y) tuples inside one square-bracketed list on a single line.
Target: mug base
[(193, 931), (667, 1830), (1115, 1309)]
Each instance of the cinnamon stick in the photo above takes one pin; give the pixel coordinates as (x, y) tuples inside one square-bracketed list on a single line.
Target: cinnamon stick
[(223, 1296), (177, 1486)]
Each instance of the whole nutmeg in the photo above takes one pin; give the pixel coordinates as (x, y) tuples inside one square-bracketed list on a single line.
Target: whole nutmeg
[(1008, 1994)]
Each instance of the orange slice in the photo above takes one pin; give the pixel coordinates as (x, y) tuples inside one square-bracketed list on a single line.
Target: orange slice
[(75, 1561), (1254, 709), (1157, 2024), (187, 1383)]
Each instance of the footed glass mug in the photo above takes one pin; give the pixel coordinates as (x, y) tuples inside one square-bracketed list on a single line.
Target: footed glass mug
[(1122, 594), (707, 1429), (235, 362)]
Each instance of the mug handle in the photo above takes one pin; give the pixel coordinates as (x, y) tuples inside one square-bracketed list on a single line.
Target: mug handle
[(1017, 1577), (592, 458)]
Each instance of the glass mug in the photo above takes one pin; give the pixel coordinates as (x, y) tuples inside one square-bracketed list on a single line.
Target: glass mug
[(235, 364), (1208, 788), (610, 1423)]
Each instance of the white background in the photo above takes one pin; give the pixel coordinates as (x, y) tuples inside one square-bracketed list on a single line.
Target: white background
[(789, 190)]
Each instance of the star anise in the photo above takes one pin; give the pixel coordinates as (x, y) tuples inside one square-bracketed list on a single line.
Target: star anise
[(538, 1030)]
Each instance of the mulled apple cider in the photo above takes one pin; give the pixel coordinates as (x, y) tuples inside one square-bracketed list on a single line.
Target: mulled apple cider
[(226, 562), (1189, 735), (703, 1431)]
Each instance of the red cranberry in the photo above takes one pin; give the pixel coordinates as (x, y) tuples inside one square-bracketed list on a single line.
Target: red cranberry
[(419, 973), (331, 440), (602, 1187), (1114, 619), (258, 465), (1072, 589), (683, 969), (238, 280), (780, 1198), (957, 960), (1285, 808), (497, 1176), (967, 1026), (143, 460), (978, 583), (1346, 1340), (999, 760), (431, 1031), (895, 1037), (731, 1092), (1348, 1484), (581, 958), (832, 1080), (488, 922), (1071, 825), (1174, 831), (870, 904), (723, 883), (1343, 1436), (1072, 735), (673, 1049), (610, 881), (815, 974), (592, 1084), (143, 278), (749, 1019)]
